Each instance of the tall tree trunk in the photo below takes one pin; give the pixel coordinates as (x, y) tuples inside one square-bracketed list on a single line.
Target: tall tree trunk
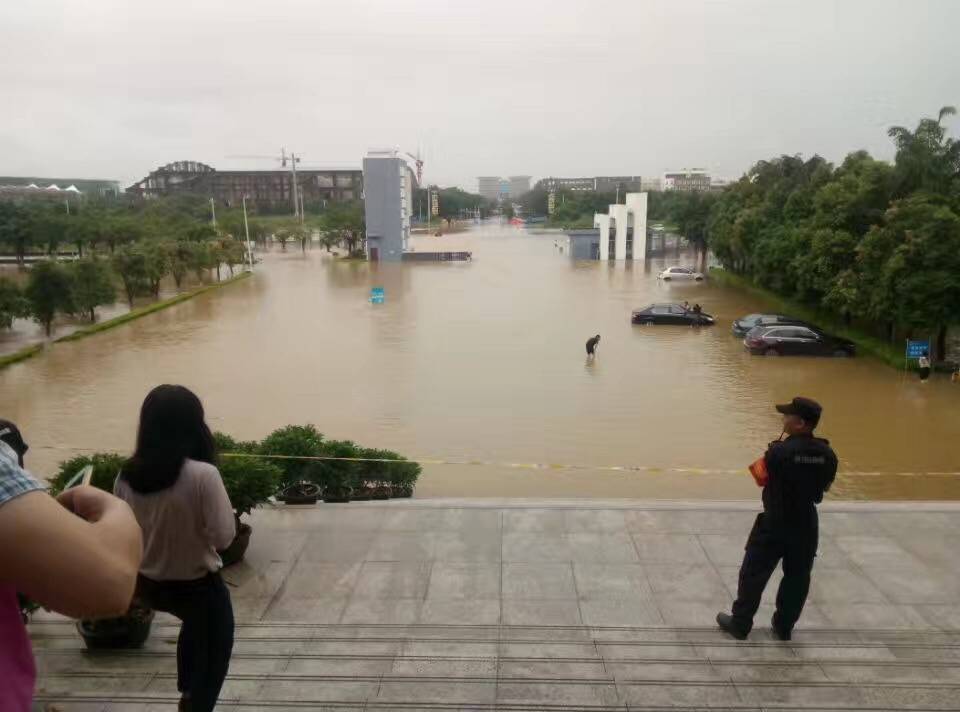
[(942, 343), (80, 249), (218, 271), (93, 315)]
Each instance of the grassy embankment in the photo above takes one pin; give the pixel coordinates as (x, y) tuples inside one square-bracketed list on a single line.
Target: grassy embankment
[(83, 332), (891, 354)]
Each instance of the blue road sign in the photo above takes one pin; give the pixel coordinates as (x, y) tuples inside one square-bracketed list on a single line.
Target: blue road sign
[(916, 349), (377, 295)]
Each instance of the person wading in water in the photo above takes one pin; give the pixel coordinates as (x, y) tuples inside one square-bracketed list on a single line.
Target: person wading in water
[(592, 344)]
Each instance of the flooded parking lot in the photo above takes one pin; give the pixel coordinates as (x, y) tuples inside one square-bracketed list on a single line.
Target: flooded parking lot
[(484, 361)]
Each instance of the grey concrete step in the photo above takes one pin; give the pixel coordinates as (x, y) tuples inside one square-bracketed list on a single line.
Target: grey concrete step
[(501, 667)]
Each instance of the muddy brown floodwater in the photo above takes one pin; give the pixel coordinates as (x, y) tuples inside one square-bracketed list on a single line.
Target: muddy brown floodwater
[(485, 361)]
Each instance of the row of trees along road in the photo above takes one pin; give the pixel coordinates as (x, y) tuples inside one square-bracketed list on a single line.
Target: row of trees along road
[(874, 243)]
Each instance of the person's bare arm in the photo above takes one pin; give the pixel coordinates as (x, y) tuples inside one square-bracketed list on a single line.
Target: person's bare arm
[(78, 556), (218, 518)]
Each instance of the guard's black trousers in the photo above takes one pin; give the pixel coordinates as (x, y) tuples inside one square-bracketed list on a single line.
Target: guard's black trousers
[(796, 544)]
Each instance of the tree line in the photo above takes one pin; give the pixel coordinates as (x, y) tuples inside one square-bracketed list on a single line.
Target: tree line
[(872, 242)]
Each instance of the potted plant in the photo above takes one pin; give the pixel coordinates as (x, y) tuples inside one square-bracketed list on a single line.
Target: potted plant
[(292, 441), (130, 630), (338, 478), (376, 473), (250, 481), (302, 492)]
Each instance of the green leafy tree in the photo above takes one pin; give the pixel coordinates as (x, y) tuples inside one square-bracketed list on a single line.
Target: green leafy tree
[(927, 159), (178, 254), (346, 223), (201, 259), (49, 291), (234, 254), (92, 285), (13, 305), (131, 263), (157, 265), (15, 229)]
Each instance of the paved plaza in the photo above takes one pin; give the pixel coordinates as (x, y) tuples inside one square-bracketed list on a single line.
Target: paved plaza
[(553, 605)]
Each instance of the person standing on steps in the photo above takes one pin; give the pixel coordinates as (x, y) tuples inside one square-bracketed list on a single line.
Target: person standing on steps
[(795, 472), (592, 344), (924, 365), (178, 497)]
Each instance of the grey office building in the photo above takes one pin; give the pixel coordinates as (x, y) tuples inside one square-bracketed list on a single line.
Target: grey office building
[(388, 186)]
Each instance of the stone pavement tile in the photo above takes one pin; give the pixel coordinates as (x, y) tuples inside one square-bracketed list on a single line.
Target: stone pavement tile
[(769, 671), (602, 548), (389, 645), (98, 684), (917, 698), (538, 581), (557, 669), (610, 581), (554, 692), (534, 520), (755, 648), (467, 545), (648, 651), (306, 610), (317, 691), (844, 586), (654, 548), (875, 551), (392, 580), (595, 521), (535, 547), (464, 580), (851, 523), (620, 612), (402, 546), (270, 544), (916, 583), (832, 652), (253, 665), (648, 671), (450, 649), (545, 633), (310, 579), (472, 520), (477, 692), (683, 694), (252, 647), (444, 667), (934, 550), (540, 612), (554, 649), (249, 609), (686, 583), (413, 520), (802, 695), (480, 611), (940, 615), (337, 546), (874, 615), (911, 522), (690, 521), (696, 614), (246, 582), (898, 672), (731, 576), (382, 610)]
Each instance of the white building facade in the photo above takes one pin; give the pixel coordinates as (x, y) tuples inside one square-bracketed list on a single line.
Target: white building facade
[(623, 229), (388, 186)]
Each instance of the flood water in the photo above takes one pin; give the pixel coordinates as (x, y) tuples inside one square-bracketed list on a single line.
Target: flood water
[(485, 361)]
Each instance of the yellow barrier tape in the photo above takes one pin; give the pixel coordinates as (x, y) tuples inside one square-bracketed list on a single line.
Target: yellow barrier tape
[(649, 469)]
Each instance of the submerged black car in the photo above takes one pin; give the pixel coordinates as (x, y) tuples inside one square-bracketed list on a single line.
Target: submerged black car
[(670, 314), (744, 324), (793, 340)]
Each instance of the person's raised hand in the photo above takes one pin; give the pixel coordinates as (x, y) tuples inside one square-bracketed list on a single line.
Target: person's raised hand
[(88, 503)]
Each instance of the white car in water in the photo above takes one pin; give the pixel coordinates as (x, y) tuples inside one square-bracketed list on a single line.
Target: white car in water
[(678, 273)]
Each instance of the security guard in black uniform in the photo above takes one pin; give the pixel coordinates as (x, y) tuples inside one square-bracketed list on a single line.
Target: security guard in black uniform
[(799, 470)]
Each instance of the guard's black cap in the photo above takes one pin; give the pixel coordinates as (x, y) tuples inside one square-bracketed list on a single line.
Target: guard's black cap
[(806, 408), (10, 434)]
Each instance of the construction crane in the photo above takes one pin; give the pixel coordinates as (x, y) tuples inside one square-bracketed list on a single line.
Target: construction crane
[(419, 163), (283, 158)]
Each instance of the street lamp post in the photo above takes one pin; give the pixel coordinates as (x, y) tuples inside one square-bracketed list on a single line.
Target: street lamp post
[(246, 229)]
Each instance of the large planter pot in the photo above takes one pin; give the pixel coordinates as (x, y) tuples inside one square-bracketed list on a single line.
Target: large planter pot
[(361, 493), (238, 547), (381, 492), (337, 495), (402, 491), (299, 493), (124, 633)]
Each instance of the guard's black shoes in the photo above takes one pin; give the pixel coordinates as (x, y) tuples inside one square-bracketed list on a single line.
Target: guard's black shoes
[(779, 632), (725, 621)]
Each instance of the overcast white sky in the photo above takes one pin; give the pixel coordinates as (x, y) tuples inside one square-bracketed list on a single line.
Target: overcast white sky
[(114, 88)]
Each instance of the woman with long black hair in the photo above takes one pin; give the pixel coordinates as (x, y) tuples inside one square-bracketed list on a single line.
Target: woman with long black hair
[(177, 495)]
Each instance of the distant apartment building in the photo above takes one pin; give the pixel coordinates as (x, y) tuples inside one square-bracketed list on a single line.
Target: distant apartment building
[(599, 184), (650, 185), (489, 187), (517, 186), (498, 188), (388, 199), (270, 190), (17, 188), (689, 179)]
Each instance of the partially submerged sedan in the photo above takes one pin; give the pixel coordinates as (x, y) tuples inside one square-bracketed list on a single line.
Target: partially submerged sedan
[(670, 314)]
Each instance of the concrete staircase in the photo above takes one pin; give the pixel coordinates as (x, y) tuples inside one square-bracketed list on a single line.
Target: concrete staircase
[(287, 666)]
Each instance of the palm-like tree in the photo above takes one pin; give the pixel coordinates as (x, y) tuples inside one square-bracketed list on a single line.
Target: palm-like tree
[(926, 158)]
